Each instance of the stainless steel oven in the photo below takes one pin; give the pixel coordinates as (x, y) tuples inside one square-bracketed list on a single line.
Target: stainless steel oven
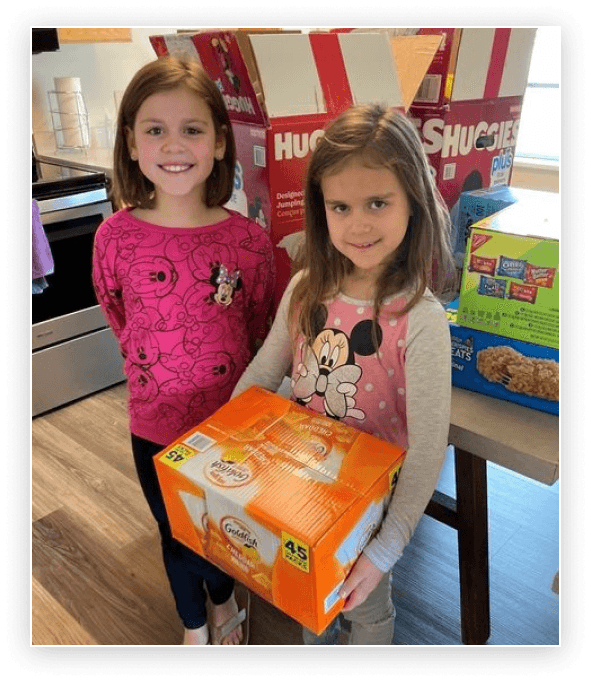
[(74, 351)]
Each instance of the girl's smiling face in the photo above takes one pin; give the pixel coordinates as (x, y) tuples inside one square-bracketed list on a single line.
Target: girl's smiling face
[(367, 212), (175, 143)]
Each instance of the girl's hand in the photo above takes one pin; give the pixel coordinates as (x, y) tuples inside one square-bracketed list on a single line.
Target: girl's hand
[(362, 580)]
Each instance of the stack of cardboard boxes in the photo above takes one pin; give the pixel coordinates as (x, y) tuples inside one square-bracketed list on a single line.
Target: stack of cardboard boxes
[(463, 88), (263, 488), (505, 324)]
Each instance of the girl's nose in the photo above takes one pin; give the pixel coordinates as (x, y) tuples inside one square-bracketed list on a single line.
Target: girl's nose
[(172, 142), (360, 224)]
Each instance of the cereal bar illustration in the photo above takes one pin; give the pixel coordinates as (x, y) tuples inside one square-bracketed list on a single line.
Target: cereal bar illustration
[(527, 375)]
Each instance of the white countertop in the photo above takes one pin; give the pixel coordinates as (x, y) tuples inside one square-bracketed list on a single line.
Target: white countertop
[(99, 159)]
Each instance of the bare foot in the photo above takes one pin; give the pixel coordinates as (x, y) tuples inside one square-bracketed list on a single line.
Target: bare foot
[(220, 615), (196, 637)]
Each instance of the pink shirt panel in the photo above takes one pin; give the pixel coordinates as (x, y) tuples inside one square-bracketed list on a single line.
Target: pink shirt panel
[(343, 377), (186, 306)]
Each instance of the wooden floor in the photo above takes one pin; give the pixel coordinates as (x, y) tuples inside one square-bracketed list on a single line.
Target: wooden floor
[(98, 577)]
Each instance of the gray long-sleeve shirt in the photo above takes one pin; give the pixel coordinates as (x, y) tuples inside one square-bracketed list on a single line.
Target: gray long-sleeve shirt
[(425, 376)]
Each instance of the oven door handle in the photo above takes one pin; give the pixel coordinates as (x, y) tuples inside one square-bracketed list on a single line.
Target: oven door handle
[(56, 231), (103, 208)]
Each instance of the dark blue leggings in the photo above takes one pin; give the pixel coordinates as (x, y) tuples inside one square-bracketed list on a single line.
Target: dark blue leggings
[(187, 572)]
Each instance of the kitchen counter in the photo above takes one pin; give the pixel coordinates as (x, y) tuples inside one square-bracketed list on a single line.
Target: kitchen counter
[(97, 159)]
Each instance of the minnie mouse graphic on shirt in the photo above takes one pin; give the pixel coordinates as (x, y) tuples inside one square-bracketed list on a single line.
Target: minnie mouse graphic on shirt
[(226, 284), (328, 369)]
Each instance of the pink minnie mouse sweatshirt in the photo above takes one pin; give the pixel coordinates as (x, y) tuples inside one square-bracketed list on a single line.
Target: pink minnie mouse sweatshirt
[(187, 306)]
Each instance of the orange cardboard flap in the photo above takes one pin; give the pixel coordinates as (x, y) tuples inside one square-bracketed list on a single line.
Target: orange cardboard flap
[(413, 56)]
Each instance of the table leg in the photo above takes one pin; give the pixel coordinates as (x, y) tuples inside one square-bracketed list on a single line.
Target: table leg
[(472, 519)]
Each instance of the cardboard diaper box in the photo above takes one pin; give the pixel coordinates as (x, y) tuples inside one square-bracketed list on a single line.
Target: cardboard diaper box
[(510, 279), (281, 90), (469, 145), (280, 497), (468, 107), (505, 368), (476, 63)]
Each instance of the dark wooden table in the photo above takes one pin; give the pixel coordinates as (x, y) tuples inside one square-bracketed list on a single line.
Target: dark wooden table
[(485, 429)]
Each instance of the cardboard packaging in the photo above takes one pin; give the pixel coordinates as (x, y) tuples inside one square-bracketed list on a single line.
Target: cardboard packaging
[(281, 91), (510, 280), (480, 63), (279, 497), (504, 368), (473, 207), (468, 107), (470, 145)]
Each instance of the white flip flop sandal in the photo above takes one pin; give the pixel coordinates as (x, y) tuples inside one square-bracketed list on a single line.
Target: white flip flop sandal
[(219, 633)]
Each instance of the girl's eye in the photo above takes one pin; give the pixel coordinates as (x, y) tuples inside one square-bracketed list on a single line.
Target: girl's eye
[(339, 208), (378, 203), (193, 131), (154, 130)]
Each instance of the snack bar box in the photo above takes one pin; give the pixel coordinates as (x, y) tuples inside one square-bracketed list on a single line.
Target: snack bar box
[(468, 108), (281, 91), (504, 368), (510, 279), (279, 497)]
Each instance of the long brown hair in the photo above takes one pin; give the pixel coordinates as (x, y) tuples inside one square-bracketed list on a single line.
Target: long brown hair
[(130, 186), (380, 138)]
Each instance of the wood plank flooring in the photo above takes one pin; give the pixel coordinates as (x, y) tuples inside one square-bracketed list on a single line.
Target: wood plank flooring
[(98, 579)]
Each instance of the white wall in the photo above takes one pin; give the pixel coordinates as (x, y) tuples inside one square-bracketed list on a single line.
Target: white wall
[(103, 68)]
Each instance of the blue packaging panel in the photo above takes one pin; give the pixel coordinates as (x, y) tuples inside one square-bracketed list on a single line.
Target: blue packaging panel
[(504, 368), (474, 206)]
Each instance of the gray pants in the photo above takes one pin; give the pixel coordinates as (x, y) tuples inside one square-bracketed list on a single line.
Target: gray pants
[(372, 622)]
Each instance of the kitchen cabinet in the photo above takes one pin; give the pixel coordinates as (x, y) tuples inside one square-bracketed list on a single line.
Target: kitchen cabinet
[(94, 35)]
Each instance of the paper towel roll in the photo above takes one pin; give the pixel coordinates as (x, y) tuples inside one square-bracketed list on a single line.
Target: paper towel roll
[(72, 110), (67, 84)]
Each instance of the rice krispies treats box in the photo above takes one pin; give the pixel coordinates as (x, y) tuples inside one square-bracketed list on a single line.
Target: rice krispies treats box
[(505, 368), (280, 497), (510, 280)]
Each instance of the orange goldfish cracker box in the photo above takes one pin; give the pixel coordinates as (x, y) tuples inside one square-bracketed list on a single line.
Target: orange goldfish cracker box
[(280, 497)]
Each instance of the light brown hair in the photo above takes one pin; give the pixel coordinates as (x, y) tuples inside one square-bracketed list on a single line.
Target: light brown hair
[(379, 138), (130, 186)]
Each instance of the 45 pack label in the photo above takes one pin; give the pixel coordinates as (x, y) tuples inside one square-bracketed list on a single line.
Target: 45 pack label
[(295, 552)]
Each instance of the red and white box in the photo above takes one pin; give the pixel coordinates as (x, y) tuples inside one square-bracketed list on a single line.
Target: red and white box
[(470, 145), (468, 106), (281, 91), (476, 63)]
